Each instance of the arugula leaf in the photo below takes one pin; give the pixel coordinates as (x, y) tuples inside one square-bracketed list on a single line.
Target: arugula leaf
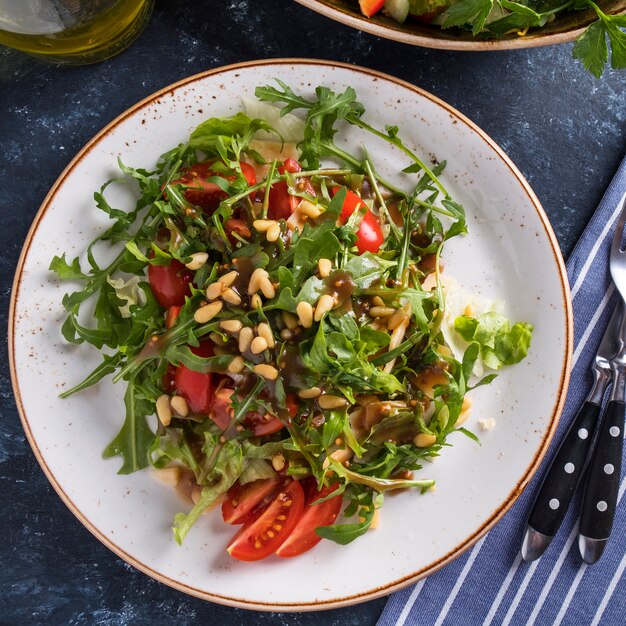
[(473, 12)]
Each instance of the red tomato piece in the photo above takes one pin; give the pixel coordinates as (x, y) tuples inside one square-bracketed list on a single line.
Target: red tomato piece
[(244, 501), (221, 412), (204, 193), (196, 387), (303, 536), (262, 536), (370, 236), (281, 203), (238, 226), (169, 283), (172, 315), (292, 405), (370, 7)]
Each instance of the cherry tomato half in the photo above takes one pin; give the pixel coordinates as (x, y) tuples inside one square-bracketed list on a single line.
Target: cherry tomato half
[(369, 237), (206, 194), (196, 387), (221, 412), (244, 501), (303, 536), (370, 7), (281, 203), (169, 283), (263, 535)]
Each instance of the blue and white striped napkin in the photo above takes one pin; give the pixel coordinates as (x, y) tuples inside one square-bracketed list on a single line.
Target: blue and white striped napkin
[(490, 584)]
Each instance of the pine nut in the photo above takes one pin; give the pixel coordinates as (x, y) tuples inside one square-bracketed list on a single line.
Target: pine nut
[(309, 209), (164, 412), (231, 326), (305, 314), (214, 291), (396, 319), (263, 226), (255, 280), (290, 320), (382, 311), (278, 462), (265, 332), (258, 345), (378, 301), (198, 259), (324, 304), (179, 406), (267, 289), (256, 302), (286, 334), (245, 339), (466, 410), (169, 475), (331, 402), (207, 312), (324, 266), (231, 296), (228, 279), (307, 394), (424, 440), (266, 371), (236, 365), (273, 232)]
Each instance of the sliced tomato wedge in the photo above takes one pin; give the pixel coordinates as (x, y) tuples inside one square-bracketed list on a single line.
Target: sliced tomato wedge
[(370, 236), (304, 537), (244, 501), (262, 536), (281, 203), (169, 283), (370, 7), (196, 387), (203, 193), (221, 412)]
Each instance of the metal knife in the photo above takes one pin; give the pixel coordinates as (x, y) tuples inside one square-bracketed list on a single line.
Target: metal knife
[(563, 476)]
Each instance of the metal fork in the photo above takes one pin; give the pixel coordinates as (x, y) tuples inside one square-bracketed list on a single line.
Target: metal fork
[(603, 477)]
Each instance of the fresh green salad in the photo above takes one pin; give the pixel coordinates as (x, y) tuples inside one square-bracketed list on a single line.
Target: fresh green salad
[(278, 307), (489, 19)]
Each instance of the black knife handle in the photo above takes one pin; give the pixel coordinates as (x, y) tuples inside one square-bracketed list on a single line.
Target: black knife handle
[(565, 472), (603, 478)]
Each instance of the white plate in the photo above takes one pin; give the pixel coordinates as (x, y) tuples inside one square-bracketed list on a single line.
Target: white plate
[(511, 253)]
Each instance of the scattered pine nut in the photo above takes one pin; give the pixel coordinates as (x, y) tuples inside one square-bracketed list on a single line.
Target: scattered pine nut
[(245, 338), (231, 326), (263, 226), (164, 412), (258, 345), (169, 475), (236, 365), (324, 305), (265, 332), (305, 314), (309, 209), (256, 302), (378, 301), (207, 312), (228, 279), (290, 320), (266, 371), (307, 394), (469, 310), (214, 290), (324, 266), (424, 440), (273, 232), (331, 402), (255, 280), (396, 319), (382, 311), (278, 462), (267, 288), (198, 259), (231, 296), (179, 406)]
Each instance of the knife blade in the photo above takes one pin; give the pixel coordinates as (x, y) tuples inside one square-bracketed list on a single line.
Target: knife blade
[(569, 463)]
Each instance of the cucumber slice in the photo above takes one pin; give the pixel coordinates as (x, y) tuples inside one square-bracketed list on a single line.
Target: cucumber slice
[(398, 9)]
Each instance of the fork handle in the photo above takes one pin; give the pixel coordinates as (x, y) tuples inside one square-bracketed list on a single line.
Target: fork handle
[(602, 485)]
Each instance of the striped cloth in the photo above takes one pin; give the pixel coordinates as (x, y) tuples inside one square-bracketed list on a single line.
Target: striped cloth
[(490, 584)]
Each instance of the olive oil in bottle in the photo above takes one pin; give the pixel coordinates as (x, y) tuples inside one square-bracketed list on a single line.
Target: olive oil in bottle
[(72, 31)]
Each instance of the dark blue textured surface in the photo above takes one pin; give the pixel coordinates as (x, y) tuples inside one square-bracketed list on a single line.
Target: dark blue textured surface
[(565, 131)]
